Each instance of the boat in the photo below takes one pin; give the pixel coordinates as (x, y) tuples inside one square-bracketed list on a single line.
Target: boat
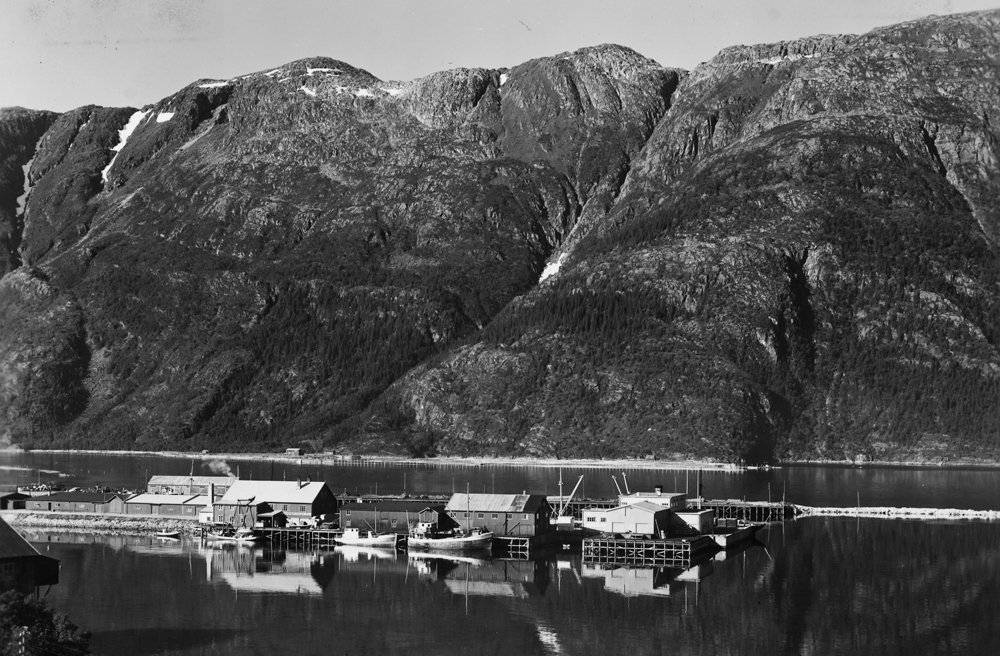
[(355, 538), (237, 535), (169, 535), (425, 537)]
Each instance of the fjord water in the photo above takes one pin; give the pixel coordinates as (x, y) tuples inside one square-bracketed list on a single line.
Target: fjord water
[(817, 585)]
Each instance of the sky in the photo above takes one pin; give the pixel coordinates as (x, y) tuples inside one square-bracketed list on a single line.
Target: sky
[(62, 54)]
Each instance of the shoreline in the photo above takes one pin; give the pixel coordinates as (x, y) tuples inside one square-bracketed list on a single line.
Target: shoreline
[(552, 463)]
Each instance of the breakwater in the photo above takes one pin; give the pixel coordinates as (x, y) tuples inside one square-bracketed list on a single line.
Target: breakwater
[(900, 513), (99, 523)]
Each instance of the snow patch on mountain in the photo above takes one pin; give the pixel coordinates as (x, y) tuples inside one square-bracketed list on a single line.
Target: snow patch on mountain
[(123, 135), (212, 85), (307, 90), (552, 268), (163, 117)]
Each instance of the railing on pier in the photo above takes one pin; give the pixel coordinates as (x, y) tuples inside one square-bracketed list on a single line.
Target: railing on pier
[(677, 552)]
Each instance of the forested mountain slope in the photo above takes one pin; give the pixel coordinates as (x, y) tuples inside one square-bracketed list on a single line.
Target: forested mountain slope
[(790, 251)]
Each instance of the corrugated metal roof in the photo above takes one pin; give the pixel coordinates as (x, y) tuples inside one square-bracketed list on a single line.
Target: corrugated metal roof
[(78, 497), (511, 503), (161, 499), (272, 492), (651, 507), (393, 506), (188, 480), (12, 545)]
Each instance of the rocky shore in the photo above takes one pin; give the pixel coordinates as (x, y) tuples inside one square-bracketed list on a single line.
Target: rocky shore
[(98, 523)]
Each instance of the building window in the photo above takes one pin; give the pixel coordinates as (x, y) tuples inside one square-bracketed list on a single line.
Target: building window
[(527, 516), (348, 513), (479, 515), (591, 518), (348, 522), (7, 572), (494, 516), (604, 519), (302, 508), (465, 514), (393, 523)]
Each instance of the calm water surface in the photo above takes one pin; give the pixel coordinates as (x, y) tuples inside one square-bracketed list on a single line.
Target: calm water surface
[(817, 585)]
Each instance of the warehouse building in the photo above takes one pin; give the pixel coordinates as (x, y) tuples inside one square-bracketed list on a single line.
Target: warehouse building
[(79, 502), (392, 516), (301, 501), (521, 515)]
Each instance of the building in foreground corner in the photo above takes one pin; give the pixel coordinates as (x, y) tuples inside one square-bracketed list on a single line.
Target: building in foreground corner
[(22, 568)]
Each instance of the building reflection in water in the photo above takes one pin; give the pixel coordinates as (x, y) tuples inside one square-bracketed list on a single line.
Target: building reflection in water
[(247, 568)]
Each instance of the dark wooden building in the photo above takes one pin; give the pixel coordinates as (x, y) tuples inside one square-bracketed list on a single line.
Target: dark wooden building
[(13, 500), (81, 502), (171, 505), (22, 568), (392, 516), (522, 515)]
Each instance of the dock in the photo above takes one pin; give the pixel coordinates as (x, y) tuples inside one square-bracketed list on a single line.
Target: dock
[(670, 552), (748, 511)]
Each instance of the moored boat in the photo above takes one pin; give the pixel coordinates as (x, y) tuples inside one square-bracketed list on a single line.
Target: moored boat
[(427, 538), (239, 535), (169, 535), (355, 538)]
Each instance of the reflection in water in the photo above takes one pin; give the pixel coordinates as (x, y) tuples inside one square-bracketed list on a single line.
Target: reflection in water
[(249, 568)]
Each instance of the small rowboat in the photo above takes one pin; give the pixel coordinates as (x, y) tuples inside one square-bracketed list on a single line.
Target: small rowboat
[(240, 535), (169, 535)]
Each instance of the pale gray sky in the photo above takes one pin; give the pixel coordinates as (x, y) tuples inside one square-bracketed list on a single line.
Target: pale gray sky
[(61, 54)]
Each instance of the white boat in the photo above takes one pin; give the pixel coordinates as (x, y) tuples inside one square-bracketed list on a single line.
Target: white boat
[(239, 535), (355, 538), (169, 535), (450, 540)]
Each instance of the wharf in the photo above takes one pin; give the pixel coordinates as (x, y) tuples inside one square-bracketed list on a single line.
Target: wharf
[(748, 511), (670, 552)]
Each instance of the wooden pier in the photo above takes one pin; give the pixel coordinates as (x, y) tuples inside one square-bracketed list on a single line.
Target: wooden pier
[(749, 511), (672, 552)]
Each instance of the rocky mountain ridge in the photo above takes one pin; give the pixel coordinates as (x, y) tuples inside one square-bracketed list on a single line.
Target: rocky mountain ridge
[(788, 252)]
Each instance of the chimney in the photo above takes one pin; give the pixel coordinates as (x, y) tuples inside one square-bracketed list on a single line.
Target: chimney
[(211, 493), (299, 481), (659, 490)]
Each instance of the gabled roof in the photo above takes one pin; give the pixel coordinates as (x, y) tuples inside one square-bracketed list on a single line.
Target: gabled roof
[(160, 499), (200, 500), (273, 492), (510, 503), (394, 506), (12, 545), (78, 497), (189, 480), (645, 506)]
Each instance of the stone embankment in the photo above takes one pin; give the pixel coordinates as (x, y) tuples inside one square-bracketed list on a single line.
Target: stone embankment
[(900, 513), (99, 523)]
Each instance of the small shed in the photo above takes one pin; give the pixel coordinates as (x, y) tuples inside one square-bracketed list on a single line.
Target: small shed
[(13, 500), (693, 522), (272, 519), (22, 568), (293, 451), (639, 518)]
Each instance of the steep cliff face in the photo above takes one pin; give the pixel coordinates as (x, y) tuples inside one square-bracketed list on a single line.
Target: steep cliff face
[(20, 130), (256, 259), (802, 263), (790, 251)]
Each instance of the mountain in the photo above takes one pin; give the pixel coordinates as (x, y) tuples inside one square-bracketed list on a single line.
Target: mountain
[(788, 252)]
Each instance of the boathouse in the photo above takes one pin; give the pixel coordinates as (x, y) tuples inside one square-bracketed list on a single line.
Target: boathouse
[(22, 568), (13, 500), (638, 518), (173, 505), (81, 502), (392, 516), (218, 485), (522, 515), (299, 500)]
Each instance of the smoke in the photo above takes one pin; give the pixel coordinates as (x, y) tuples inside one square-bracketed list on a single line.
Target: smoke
[(218, 467)]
